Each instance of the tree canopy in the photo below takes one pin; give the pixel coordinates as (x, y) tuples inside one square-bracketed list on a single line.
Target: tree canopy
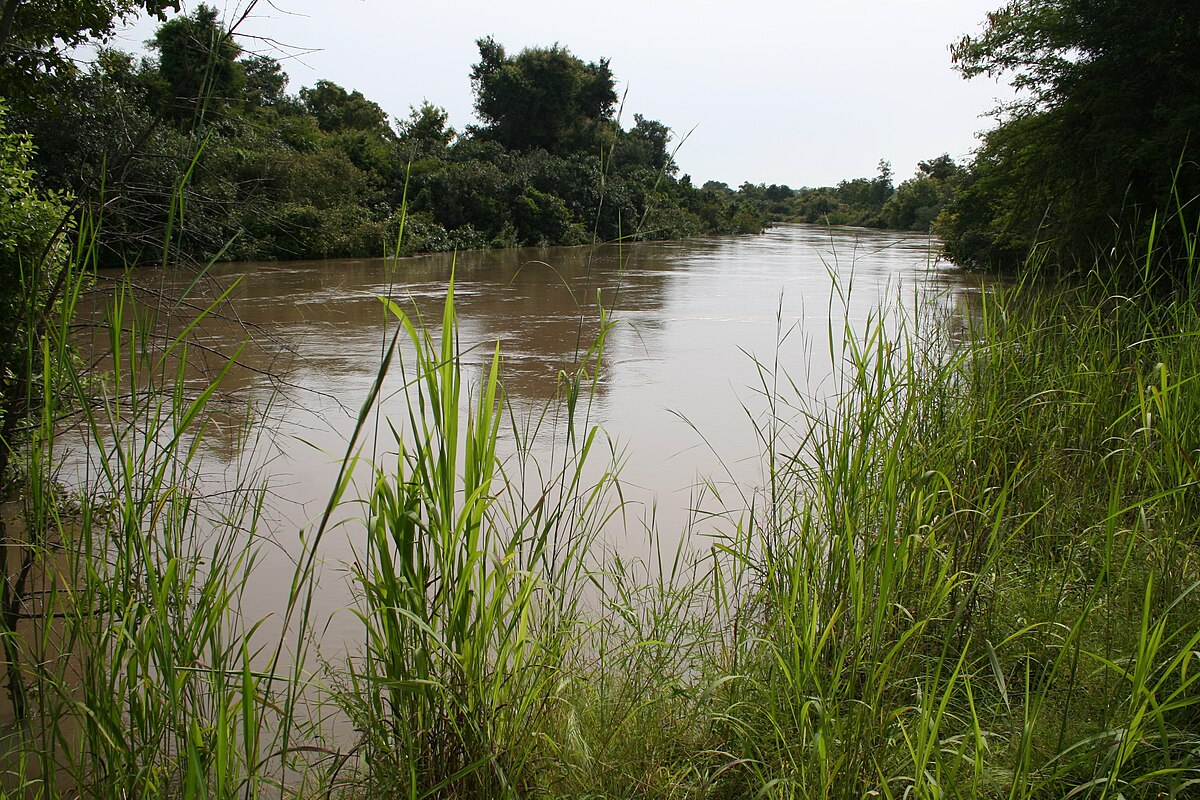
[(327, 172), (197, 62), (1108, 112), (543, 97), (337, 110), (35, 35)]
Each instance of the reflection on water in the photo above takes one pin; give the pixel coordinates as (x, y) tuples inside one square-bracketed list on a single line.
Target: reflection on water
[(677, 386)]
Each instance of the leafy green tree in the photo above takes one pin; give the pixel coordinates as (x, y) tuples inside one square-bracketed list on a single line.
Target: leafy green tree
[(542, 97), (943, 168), (426, 133), (646, 145), (918, 201), (475, 193), (198, 62), (819, 205), (914, 205), (267, 174), (32, 253), (541, 218), (265, 81), (1109, 110), (867, 193), (337, 110), (37, 35), (861, 200)]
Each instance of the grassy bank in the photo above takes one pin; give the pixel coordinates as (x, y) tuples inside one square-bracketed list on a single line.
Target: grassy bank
[(972, 574)]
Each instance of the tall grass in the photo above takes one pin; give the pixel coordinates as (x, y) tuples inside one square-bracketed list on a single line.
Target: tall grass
[(470, 585), (971, 573), (132, 669), (977, 575)]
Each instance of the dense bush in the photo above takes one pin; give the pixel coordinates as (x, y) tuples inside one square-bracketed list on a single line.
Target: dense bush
[(1103, 136)]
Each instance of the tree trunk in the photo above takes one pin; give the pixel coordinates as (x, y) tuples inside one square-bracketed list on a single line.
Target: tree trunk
[(6, 25)]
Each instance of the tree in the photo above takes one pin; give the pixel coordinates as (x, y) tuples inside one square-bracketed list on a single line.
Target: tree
[(32, 253), (1109, 110), (36, 35), (265, 81), (543, 97), (943, 168), (337, 110), (917, 201), (646, 145), (426, 133), (914, 205), (197, 59)]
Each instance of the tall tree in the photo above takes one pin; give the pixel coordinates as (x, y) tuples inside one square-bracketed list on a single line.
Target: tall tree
[(543, 97), (337, 110), (426, 133), (197, 59), (265, 81), (1109, 109), (647, 145)]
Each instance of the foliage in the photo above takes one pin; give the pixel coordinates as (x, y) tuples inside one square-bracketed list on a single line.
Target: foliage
[(201, 145), (1103, 136), (246, 170), (32, 255), (265, 81), (426, 133), (37, 35), (869, 202), (542, 98), (969, 591), (197, 63), (918, 201), (457, 581), (337, 110), (646, 146)]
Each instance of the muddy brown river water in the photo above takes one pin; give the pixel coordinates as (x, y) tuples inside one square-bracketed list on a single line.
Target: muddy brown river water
[(680, 380)]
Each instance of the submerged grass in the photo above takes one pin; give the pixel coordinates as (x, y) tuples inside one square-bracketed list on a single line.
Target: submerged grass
[(971, 574)]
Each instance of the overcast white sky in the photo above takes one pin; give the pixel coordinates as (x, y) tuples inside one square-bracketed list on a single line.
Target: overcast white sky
[(806, 93)]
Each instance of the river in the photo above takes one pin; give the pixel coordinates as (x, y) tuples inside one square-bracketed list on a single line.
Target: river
[(700, 328)]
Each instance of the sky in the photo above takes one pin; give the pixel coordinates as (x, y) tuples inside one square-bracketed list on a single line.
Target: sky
[(803, 93)]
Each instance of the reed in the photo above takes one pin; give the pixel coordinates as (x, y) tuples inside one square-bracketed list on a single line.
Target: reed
[(470, 582), (977, 572)]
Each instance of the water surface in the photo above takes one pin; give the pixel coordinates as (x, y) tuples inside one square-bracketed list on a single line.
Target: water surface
[(699, 329)]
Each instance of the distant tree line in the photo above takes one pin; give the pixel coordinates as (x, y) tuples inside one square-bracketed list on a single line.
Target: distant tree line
[(201, 145), (876, 202), (1096, 161)]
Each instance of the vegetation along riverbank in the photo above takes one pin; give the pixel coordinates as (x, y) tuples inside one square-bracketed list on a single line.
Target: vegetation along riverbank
[(970, 572), (326, 172)]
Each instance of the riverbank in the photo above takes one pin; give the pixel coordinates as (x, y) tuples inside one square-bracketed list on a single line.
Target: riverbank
[(971, 574)]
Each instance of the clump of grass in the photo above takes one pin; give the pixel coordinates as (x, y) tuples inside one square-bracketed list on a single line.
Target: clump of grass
[(469, 585)]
